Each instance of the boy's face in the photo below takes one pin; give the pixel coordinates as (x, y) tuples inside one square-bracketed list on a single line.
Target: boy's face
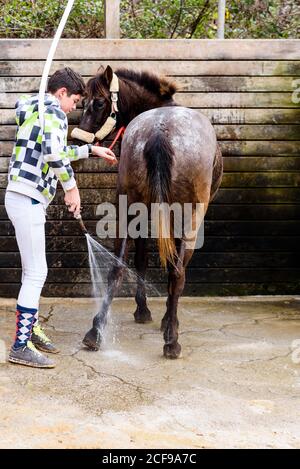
[(67, 103)]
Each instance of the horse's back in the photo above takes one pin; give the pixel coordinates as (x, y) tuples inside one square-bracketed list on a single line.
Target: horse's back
[(191, 136), (187, 130)]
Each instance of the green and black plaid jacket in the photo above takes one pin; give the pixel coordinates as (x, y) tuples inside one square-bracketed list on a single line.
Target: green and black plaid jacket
[(38, 161)]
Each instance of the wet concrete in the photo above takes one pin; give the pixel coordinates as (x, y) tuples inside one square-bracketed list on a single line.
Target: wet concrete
[(236, 386)]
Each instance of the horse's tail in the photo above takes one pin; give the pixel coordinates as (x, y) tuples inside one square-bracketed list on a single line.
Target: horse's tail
[(158, 155)]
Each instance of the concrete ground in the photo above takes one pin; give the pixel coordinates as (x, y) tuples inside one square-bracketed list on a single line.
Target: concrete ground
[(236, 385)]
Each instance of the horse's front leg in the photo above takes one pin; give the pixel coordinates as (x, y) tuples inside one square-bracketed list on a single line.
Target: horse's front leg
[(93, 337), (142, 313), (176, 283)]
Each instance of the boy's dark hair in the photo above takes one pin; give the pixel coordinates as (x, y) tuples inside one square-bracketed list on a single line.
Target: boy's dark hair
[(66, 78)]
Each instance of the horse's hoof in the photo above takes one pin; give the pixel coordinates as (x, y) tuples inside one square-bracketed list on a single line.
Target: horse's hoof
[(92, 339), (172, 350), (142, 316)]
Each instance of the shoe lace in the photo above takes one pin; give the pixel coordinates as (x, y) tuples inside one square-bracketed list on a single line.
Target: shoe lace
[(40, 333), (31, 346)]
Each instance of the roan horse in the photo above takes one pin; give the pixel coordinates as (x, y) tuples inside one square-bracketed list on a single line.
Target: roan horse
[(169, 154)]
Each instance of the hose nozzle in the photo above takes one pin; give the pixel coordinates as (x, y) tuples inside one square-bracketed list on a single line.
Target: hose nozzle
[(82, 226)]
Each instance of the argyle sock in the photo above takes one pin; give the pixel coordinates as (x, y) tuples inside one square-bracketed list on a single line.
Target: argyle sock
[(24, 321), (35, 318)]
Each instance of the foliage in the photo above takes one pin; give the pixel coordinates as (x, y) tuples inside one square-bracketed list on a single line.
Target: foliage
[(263, 19), (153, 18), (40, 18)]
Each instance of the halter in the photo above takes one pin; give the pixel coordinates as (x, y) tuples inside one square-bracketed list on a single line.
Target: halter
[(110, 123)]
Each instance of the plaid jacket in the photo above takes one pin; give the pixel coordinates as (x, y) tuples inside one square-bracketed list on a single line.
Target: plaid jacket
[(38, 161)]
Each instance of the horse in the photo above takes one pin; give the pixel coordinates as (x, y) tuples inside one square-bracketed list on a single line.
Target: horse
[(169, 154)]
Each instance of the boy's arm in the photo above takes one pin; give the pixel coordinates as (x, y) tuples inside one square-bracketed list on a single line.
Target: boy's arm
[(76, 152), (54, 149)]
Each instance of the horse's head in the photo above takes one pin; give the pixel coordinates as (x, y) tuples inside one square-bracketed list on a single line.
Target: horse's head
[(98, 104), (106, 108)]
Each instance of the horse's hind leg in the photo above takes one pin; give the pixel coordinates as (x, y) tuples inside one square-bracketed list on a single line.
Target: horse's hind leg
[(176, 283), (142, 313), (93, 337), (181, 251)]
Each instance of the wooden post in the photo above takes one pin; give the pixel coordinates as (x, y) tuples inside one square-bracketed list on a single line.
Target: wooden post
[(221, 19), (112, 19)]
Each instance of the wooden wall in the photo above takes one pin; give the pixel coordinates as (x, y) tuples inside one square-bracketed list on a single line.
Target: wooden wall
[(245, 87)]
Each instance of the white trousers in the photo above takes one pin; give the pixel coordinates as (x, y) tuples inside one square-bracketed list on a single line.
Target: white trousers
[(29, 223)]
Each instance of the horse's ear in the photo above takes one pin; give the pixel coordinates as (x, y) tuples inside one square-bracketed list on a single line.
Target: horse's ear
[(108, 74)]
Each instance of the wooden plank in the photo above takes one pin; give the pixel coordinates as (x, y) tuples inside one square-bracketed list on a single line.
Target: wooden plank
[(211, 244), (260, 179), (208, 84), (231, 100), (85, 180), (198, 275), (167, 67), (217, 116), (252, 212), (200, 49), (95, 196), (232, 180), (8, 100), (236, 84), (252, 116), (212, 228), (4, 163), (261, 163), (215, 212), (279, 148), (6, 148), (8, 132), (258, 196), (251, 243), (204, 100), (231, 163), (92, 164), (112, 19), (230, 148), (257, 132), (9, 290), (203, 260), (224, 132), (225, 195)]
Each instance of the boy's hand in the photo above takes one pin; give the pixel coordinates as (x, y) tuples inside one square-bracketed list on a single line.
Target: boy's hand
[(105, 153), (72, 200)]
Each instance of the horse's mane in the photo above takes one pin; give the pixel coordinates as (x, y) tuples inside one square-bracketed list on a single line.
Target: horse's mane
[(160, 86)]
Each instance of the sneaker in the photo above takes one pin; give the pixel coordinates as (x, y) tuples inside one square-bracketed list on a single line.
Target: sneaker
[(41, 341), (29, 356)]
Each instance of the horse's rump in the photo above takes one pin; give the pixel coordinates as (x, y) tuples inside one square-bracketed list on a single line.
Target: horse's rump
[(191, 142), (175, 148)]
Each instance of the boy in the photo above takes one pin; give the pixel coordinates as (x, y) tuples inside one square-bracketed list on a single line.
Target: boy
[(38, 161)]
